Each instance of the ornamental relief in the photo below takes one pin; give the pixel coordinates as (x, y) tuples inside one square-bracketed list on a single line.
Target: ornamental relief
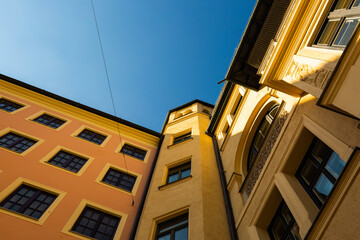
[(265, 151), (312, 75)]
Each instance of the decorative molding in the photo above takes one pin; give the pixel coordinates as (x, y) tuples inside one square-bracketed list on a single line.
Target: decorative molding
[(313, 75), (265, 151)]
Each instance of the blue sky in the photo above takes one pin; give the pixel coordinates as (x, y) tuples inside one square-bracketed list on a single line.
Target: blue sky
[(160, 53)]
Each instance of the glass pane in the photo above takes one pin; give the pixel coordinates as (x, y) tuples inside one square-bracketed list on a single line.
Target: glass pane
[(335, 165), (258, 141), (342, 4), (173, 178), (323, 187), (357, 3), (286, 214), (181, 234), (321, 151), (185, 173), (346, 32), (278, 229), (328, 32), (295, 231), (309, 171), (264, 127), (166, 237)]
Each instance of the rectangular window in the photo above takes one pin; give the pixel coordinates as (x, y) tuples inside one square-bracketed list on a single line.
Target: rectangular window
[(49, 121), (68, 161), (28, 201), (173, 229), (283, 224), (119, 179), (96, 224), (179, 172), (339, 24), (9, 106), (133, 151), (16, 142), (182, 138), (319, 171), (92, 136)]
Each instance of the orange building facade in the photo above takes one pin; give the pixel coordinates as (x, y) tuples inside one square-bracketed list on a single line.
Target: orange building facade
[(64, 167)]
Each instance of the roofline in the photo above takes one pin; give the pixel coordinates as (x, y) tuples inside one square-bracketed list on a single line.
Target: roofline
[(78, 105), (184, 106)]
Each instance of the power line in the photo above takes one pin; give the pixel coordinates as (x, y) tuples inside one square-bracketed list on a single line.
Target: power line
[(109, 86)]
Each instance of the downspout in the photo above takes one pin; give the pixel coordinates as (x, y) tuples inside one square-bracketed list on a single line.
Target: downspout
[(143, 198), (229, 212)]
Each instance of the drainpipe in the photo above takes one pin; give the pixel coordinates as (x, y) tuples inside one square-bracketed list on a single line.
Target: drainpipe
[(229, 212), (143, 198)]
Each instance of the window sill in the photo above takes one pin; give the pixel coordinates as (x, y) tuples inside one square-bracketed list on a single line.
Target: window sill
[(177, 144), (165, 186)]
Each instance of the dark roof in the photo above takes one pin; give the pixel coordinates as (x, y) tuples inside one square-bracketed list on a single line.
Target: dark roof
[(261, 29), (184, 106), (78, 105)]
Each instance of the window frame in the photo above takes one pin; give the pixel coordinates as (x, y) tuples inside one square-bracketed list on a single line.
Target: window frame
[(84, 203), (21, 106), (279, 215), (22, 181), (53, 118), (334, 15), (321, 169), (94, 135), (179, 169), (173, 221), (266, 117), (22, 137), (69, 161), (118, 183), (182, 138), (133, 155), (95, 229)]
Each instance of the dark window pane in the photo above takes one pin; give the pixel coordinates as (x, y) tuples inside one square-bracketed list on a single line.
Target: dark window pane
[(323, 187), (94, 223), (335, 165), (182, 138), (119, 179), (133, 151), (309, 172), (181, 234), (16, 142), (179, 172), (279, 229), (49, 121), (342, 4), (68, 161), (173, 229), (28, 201), (92, 136), (346, 32), (9, 106)]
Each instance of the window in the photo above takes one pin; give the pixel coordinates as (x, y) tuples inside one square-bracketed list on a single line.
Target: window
[(182, 138), (28, 201), (283, 225), (119, 179), (261, 134), (96, 224), (133, 151), (319, 171), (68, 161), (49, 121), (173, 229), (179, 172), (92, 136), (236, 106), (340, 24), (16, 142), (9, 106)]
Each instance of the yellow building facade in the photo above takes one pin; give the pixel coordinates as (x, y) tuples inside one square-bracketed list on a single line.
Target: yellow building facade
[(277, 157)]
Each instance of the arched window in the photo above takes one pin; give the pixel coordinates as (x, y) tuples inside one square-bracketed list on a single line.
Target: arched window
[(260, 134)]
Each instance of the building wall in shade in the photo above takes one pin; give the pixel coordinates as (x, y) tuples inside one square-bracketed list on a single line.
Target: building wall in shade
[(75, 189)]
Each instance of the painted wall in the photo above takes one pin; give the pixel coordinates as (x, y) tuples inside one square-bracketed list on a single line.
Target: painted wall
[(76, 188)]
